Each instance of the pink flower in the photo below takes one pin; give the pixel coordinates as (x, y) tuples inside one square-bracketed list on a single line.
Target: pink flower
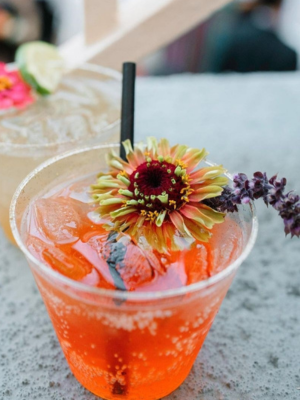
[(14, 92)]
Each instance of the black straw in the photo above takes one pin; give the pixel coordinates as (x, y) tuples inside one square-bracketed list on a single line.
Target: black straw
[(127, 113), (117, 250)]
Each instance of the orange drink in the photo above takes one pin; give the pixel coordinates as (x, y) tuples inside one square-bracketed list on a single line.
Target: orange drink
[(130, 320)]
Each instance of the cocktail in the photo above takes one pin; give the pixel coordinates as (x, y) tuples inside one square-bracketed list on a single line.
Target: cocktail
[(131, 315), (84, 110)]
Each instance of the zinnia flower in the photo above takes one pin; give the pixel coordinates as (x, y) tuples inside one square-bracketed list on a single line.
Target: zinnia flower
[(158, 194), (14, 92)]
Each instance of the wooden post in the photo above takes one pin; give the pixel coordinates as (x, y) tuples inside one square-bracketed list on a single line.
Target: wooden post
[(143, 26), (100, 18)]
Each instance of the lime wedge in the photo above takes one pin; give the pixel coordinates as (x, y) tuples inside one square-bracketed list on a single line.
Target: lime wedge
[(41, 66)]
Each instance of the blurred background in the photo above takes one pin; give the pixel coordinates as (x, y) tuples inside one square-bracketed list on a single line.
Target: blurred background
[(245, 36)]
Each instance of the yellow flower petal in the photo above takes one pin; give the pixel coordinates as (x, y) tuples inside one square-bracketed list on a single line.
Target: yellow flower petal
[(218, 181), (112, 156), (114, 200), (152, 146), (123, 179), (216, 216), (206, 192), (197, 230), (122, 211), (193, 157), (178, 152), (205, 216), (164, 147), (206, 173), (161, 243), (177, 220), (160, 219), (126, 193), (105, 184), (127, 146)]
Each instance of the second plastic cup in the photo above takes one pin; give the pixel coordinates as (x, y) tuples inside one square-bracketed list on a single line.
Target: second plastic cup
[(85, 110)]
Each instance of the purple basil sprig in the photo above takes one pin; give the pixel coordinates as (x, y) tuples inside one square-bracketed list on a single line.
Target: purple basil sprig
[(270, 190)]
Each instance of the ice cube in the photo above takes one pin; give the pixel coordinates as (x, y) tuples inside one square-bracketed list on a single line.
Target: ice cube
[(79, 191), (197, 263), (57, 220), (92, 250), (71, 264), (129, 264), (123, 264), (135, 269), (36, 246), (207, 259), (226, 244), (66, 261)]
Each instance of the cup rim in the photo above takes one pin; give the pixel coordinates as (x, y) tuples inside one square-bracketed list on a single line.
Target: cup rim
[(116, 75), (124, 295)]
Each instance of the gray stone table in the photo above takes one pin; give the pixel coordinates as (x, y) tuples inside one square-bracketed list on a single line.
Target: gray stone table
[(248, 123)]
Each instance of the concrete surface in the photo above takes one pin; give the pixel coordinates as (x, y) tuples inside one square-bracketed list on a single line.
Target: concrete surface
[(252, 352)]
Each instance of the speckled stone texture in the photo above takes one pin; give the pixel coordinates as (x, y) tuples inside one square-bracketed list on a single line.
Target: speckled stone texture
[(248, 123)]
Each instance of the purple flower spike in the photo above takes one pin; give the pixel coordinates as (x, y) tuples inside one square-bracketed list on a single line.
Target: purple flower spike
[(271, 191), (242, 190), (276, 193), (289, 210), (261, 186)]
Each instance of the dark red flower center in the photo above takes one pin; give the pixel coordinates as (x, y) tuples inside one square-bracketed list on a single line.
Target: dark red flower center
[(156, 186)]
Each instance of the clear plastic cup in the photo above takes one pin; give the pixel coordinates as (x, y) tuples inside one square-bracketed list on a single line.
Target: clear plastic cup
[(137, 346), (85, 110)]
